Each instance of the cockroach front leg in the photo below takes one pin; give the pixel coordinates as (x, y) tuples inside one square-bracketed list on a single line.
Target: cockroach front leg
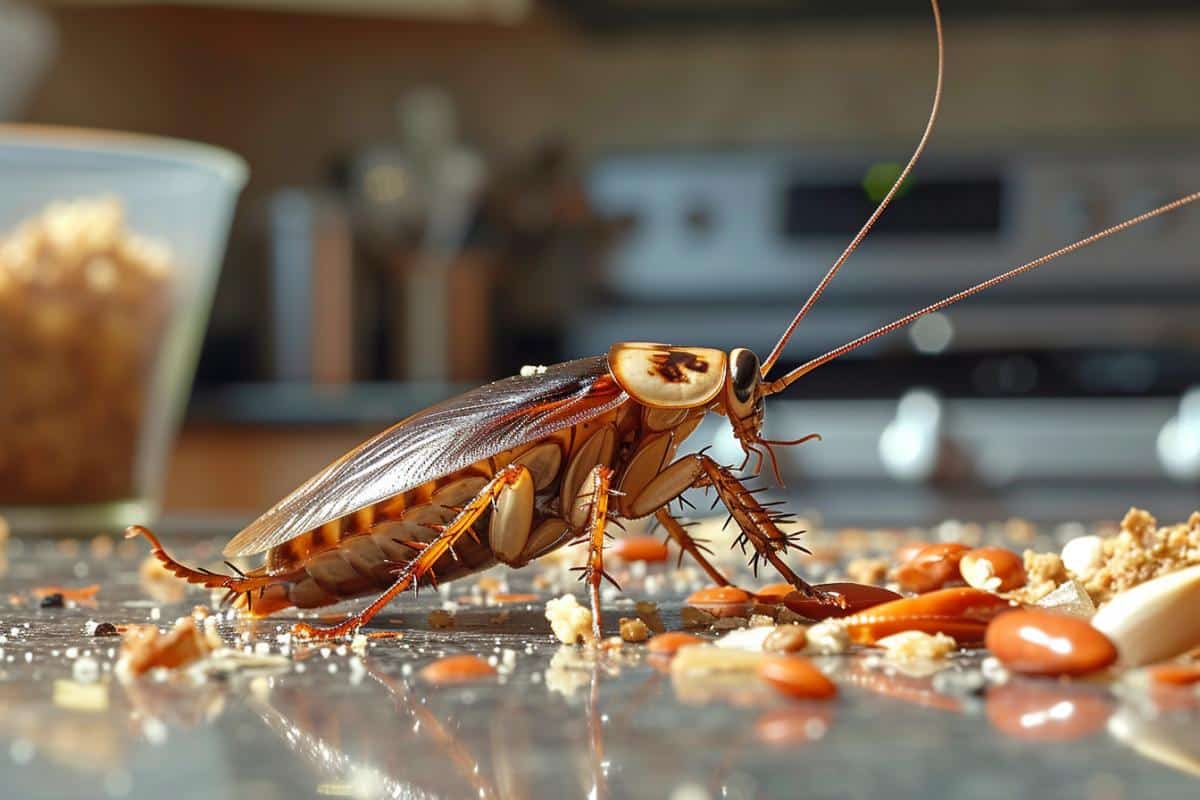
[(592, 508), (759, 525), (411, 573)]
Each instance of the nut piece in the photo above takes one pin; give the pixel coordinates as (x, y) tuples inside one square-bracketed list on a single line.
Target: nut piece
[(796, 677), (722, 601), (647, 612), (639, 548), (993, 569), (1083, 555), (933, 567), (1156, 620), (144, 647), (670, 643), (786, 639), (634, 630), (1035, 642), (570, 622)]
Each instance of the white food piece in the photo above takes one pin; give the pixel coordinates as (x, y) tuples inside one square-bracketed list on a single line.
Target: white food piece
[(570, 622), (828, 638), (979, 573), (1070, 598), (705, 658), (1083, 555), (917, 646), (748, 639), (1155, 620)]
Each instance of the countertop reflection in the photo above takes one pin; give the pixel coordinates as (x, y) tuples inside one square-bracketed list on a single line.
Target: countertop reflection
[(554, 723)]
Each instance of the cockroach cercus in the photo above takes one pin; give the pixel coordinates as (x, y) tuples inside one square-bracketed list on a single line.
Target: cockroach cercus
[(510, 471)]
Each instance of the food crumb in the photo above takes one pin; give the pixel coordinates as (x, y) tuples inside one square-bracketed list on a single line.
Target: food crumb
[(693, 617), (158, 582), (93, 628), (786, 639), (440, 619), (143, 647), (1142, 550), (829, 637), (634, 630), (647, 612), (917, 646), (570, 622), (1044, 572)]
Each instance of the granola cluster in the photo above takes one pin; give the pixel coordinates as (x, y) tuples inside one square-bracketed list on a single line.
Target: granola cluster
[(1140, 551)]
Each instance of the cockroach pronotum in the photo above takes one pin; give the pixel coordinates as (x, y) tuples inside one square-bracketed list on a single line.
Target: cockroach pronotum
[(512, 470)]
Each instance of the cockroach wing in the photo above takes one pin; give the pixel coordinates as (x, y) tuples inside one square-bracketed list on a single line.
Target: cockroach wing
[(435, 442)]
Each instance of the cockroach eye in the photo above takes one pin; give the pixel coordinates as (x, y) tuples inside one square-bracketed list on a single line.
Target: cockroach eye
[(743, 374)]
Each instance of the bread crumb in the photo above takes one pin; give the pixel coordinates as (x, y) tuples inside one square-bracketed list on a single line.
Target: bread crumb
[(829, 637), (1044, 572), (158, 582), (917, 646), (634, 630), (570, 622), (1142, 550)]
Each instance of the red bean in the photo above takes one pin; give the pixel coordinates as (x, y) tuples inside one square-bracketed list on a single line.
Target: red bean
[(933, 567)]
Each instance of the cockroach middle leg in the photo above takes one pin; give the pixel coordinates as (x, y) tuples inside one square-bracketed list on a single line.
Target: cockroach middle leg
[(688, 544), (411, 573), (597, 519)]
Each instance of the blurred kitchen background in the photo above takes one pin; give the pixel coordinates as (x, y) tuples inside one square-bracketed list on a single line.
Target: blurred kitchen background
[(444, 190)]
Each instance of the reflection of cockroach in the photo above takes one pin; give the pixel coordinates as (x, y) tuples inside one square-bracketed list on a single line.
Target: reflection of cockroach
[(517, 468)]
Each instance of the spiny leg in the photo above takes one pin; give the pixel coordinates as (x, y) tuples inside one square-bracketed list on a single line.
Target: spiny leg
[(597, 518), (688, 544), (759, 524), (411, 574), (236, 584)]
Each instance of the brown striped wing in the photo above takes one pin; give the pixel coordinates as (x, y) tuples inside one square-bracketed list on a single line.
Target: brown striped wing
[(435, 442)]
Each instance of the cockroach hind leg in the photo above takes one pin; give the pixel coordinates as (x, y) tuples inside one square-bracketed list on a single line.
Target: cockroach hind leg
[(202, 577)]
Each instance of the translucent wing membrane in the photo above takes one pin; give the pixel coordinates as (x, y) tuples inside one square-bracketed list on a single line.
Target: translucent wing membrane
[(446, 437)]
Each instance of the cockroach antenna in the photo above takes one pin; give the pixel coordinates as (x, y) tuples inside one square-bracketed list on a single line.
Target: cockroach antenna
[(777, 351), (783, 382)]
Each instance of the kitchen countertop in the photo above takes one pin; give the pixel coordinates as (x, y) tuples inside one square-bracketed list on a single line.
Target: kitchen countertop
[(555, 723)]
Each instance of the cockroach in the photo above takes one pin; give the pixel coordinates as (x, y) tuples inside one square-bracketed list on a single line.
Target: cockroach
[(517, 468)]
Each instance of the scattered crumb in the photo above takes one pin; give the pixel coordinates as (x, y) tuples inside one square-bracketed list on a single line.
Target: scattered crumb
[(647, 612), (749, 639), (917, 646), (1083, 555), (358, 645), (828, 638), (634, 630), (693, 617), (143, 647), (570, 622), (786, 639), (761, 620), (93, 628), (729, 623), (704, 658), (440, 619), (868, 570), (1141, 551), (1044, 573)]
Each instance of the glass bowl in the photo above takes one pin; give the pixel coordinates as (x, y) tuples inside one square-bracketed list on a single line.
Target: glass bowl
[(110, 246)]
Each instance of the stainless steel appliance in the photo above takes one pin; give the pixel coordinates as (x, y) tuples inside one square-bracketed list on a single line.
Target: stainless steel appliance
[(1060, 395)]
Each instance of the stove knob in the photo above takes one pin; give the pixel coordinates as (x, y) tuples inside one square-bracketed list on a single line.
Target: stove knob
[(911, 444), (1179, 440)]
